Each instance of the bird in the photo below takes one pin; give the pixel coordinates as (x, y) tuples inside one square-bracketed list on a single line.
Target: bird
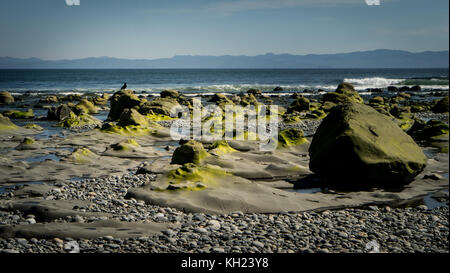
[(124, 86)]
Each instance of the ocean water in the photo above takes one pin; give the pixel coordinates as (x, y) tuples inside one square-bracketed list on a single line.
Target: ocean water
[(195, 81)]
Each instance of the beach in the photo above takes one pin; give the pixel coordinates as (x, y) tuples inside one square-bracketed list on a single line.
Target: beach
[(95, 169)]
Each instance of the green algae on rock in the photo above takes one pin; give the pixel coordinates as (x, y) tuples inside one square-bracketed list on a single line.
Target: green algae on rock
[(121, 100), (6, 124), (33, 127), (358, 147), (79, 121), (432, 130), (220, 147), (125, 145), (344, 93), (291, 137), (441, 106), (19, 114), (190, 152)]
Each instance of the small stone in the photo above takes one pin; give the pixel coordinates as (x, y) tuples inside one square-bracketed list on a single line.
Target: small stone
[(31, 220), (200, 230), (258, 244), (214, 224)]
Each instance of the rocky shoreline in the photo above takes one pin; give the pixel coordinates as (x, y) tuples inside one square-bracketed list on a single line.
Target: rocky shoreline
[(145, 192)]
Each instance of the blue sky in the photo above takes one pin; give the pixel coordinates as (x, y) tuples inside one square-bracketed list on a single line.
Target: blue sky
[(50, 29)]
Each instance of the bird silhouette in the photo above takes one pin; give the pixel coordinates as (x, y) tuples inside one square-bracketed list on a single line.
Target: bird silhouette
[(124, 86)]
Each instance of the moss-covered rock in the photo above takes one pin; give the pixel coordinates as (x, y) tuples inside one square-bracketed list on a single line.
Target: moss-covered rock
[(291, 137), (33, 126), (129, 144), (249, 99), (431, 130), (6, 98), (441, 106), (6, 124), (301, 104), (376, 100), (190, 152), (132, 117), (101, 100), (85, 107), (220, 147), (49, 99), (169, 93), (355, 146), (79, 121), (344, 93), (19, 114), (161, 106), (82, 156), (123, 99), (315, 114)]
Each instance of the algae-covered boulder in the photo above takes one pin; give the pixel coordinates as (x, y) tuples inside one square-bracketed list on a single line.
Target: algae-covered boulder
[(441, 106), (123, 99), (249, 99), (221, 100), (190, 152), (132, 117), (431, 130), (125, 145), (85, 107), (299, 105), (344, 93), (82, 156), (169, 93), (376, 100), (19, 114), (6, 98), (291, 137), (355, 146), (79, 121), (49, 99), (162, 106), (101, 100)]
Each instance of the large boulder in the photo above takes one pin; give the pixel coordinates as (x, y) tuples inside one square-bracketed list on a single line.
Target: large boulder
[(190, 152), (441, 106), (85, 107), (355, 146), (123, 99), (6, 98)]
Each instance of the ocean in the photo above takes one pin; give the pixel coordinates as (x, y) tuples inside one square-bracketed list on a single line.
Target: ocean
[(194, 81)]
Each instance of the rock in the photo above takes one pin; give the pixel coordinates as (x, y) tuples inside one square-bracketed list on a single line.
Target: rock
[(441, 106), (278, 89), (6, 98), (433, 176), (214, 224), (221, 100), (49, 99), (123, 99), (101, 100), (79, 121), (415, 88), (301, 104), (85, 107), (254, 92), (169, 93), (19, 114), (376, 100), (249, 100), (291, 137), (6, 124), (355, 146), (132, 117), (344, 93), (163, 106), (190, 152), (432, 130), (392, 89), (258, 244), (201, 230), (59, 113)]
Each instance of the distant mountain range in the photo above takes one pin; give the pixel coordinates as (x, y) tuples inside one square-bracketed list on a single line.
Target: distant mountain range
[(381, 58)]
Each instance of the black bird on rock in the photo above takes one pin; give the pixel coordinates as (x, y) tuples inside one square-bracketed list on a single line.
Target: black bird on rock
[(124, 86)]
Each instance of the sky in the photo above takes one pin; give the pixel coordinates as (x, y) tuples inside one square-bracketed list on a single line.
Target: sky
[(147, 29)]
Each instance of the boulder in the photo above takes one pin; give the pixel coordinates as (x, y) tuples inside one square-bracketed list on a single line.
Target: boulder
[(291, 137), (49, 99), (301, 104), (344, 93), (6, 98), (392, 89), (162, 106), (190, 152), (6, 124), (441, 106), (132, 117), (169, 93), (59, 113), (355, 146), (85, 107), (376, 100), (254, 92), (278, 89), (123, 99), (415, 88), (431, 130)]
